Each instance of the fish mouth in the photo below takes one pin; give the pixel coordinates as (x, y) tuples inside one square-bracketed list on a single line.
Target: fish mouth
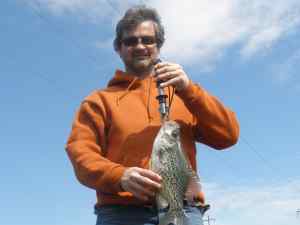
[(173, 124), (171, 129)]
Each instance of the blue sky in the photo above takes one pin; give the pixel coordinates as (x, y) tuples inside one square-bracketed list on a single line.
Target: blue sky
[(55, 52)]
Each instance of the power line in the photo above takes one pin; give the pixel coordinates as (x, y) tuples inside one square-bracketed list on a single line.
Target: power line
[(113, 7), (51, 83), (54, 84), (259, 155), (36, 10), (228, 164)]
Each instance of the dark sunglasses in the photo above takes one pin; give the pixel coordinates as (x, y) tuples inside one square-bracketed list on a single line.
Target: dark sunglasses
[(133, 40)]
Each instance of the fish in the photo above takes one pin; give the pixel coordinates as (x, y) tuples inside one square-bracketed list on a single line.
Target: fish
[(179, 180)]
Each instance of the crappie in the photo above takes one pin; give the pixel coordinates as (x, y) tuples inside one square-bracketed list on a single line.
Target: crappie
[(178, 179)]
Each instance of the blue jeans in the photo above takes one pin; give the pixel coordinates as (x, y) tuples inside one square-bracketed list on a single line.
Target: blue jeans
[(138, 215)]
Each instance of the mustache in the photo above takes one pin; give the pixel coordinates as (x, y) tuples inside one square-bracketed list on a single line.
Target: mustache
[(140, 53)]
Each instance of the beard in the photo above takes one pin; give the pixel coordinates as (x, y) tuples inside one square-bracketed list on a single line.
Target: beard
[(140, 65)]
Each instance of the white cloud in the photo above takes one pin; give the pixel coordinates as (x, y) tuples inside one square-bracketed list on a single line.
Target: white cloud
[(268, 22), (200, 31), (274, 204)]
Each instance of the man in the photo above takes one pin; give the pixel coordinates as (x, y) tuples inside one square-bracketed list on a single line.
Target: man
[(112, 135)]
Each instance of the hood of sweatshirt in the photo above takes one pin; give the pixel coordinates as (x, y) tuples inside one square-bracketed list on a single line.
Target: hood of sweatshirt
[(126, 82), (122, 79)]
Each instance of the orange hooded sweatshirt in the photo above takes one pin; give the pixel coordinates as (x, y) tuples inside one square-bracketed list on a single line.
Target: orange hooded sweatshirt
[(115, 128)]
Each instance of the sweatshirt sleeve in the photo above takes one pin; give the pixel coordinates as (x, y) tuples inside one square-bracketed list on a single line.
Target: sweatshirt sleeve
[(214, 124), (85, 148)]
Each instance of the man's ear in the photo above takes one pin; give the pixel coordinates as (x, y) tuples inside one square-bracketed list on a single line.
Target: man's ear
[(118, 52), (116, 47)]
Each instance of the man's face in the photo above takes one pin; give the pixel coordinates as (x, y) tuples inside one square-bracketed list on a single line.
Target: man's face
[(139, 50)]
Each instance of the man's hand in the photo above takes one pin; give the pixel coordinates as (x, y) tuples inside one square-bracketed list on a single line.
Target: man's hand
[(142, 183), (171, 74)]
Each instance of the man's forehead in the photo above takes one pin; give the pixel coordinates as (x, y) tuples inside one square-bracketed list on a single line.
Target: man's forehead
[(145, 27)]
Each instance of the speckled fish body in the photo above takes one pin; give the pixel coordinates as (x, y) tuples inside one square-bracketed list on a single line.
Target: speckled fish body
[(170, 162)]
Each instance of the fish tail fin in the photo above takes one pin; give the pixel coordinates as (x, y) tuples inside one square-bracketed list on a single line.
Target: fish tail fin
[(172, 219)]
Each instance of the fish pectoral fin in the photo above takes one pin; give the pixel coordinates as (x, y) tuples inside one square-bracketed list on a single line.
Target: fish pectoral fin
[(194, 187)]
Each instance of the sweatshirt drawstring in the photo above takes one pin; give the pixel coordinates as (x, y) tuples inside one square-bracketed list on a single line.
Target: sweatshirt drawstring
[(171, 95), (148, 99), (127, 90), (171, 92)]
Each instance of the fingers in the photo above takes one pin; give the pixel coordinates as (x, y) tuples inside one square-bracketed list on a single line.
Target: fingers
[(142, 183), (166, 67), (167, 70), (141, 192), (148, 179), (150, 174), (168, 75), (171, 74), (176, 82)]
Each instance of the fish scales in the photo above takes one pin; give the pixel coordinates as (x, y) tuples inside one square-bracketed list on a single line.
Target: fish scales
[(170, 162)]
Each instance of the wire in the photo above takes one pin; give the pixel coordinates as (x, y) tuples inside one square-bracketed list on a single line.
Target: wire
[(224, 162), (51, 82), (36, 11), (113, 7), (259, 155)]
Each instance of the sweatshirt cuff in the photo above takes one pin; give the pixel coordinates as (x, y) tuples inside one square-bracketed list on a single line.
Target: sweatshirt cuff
[(115, 179), (190, 92)]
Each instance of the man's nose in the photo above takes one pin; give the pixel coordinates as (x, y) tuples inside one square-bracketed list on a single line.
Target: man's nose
[(140, 45)]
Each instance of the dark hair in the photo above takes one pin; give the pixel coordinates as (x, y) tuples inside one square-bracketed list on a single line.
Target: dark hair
[(132, 18)]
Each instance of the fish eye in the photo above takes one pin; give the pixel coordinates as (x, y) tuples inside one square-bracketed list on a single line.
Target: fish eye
[(174, 133)]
